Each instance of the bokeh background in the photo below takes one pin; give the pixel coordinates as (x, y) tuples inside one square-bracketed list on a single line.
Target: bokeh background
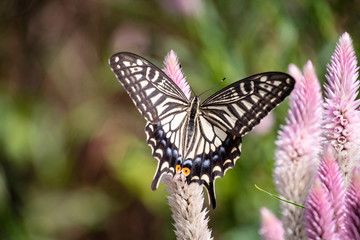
[(73, 159)]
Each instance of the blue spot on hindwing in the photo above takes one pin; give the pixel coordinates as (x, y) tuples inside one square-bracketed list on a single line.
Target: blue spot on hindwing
[(197, 161), (206, 164), (169, 152), (179, 161), (159, 133), (196, 169), (175, 154), (187, 163), (222, 150)]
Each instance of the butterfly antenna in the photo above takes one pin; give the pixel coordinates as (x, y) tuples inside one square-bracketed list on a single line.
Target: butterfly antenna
[(213, 87), (192, 90)]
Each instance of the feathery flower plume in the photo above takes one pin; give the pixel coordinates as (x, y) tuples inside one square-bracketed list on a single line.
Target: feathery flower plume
[(341, 119), (319, 214), (298, 147), (186, 203), (352, 219), (173, 71), (332, 179), (271, 226)]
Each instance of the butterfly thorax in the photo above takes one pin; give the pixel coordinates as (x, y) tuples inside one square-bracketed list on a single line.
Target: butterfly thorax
[(193, 113)]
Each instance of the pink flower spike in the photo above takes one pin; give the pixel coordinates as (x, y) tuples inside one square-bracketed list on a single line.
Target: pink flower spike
[(271, 227), (341, 104), (298, 148), (318, 217), (173, 71), (332, 179), (352, 219)]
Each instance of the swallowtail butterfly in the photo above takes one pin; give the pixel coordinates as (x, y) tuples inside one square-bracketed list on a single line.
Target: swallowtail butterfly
[(201, 140)]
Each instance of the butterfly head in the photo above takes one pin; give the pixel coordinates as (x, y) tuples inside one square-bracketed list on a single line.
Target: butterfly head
[(195, 99)]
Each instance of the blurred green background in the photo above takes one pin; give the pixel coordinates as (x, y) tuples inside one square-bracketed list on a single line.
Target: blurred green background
[(73, 159)]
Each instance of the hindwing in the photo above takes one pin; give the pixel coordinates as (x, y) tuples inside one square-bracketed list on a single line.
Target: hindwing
[(212, 153), (166, 140)]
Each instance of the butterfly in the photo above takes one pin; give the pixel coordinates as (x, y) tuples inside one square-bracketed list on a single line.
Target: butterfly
[(202, 140)]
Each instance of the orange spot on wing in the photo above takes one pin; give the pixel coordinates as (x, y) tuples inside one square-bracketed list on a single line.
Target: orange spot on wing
[(186, 171), (178, 168)]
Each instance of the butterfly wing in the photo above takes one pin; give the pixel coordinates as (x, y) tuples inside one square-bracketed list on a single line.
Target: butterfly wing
[(154, 94), (160, 101), (239, 107), (211, 154), (166, 147), (226, 116)]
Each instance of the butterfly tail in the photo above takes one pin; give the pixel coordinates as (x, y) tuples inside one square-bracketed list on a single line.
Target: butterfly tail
[(157, 177), (211, 194)]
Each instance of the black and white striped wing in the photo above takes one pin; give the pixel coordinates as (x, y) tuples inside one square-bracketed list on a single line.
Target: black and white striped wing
[(154, 94), (239, 107), (160, 101), (213, 152)]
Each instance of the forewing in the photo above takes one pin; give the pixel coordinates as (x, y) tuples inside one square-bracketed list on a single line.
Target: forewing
[(154, 94), (241, 106)]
